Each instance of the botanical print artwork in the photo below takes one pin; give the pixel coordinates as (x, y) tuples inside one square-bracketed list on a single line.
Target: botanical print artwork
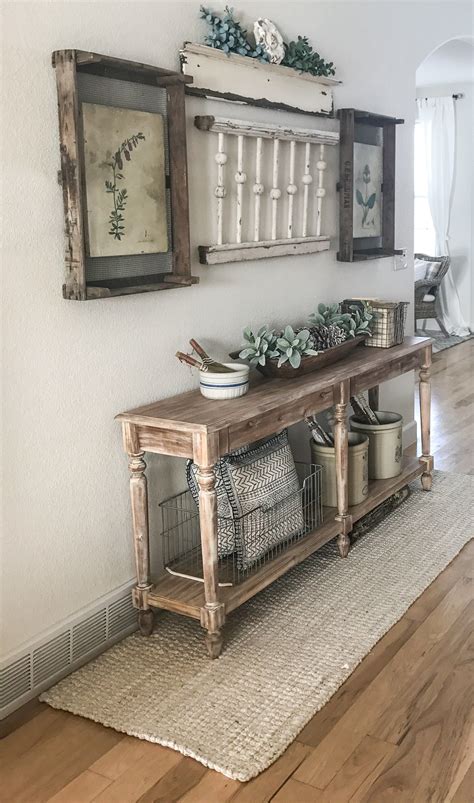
[(117, 219), (368, 170), (124, 159)]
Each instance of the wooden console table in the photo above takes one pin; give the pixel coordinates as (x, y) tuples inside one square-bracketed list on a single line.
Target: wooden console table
[(191, 426)]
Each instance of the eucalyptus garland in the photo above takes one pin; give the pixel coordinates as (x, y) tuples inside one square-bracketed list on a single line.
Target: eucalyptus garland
[(228, 35), (301, 56)]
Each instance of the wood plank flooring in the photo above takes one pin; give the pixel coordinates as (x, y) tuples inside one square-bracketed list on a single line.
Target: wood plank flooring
[(400, 729)]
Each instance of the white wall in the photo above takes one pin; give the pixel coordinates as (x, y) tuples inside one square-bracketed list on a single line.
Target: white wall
[(70, 367), (462, 209)]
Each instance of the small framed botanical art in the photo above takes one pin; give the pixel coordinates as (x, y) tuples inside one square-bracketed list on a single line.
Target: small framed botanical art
[(124, 171), (124, 176), (367, 186)]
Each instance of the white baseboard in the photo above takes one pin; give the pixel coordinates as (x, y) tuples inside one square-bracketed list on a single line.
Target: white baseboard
[(65, 647)]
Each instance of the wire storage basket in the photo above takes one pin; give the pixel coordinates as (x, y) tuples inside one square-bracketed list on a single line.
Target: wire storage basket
[(389, 325), (257, 537)]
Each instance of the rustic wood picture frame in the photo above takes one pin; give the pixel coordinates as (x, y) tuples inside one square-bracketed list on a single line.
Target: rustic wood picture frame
[(67, 64), (360, 249)]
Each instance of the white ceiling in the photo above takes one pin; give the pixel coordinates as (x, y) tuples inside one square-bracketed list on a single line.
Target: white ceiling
[(450, 64)]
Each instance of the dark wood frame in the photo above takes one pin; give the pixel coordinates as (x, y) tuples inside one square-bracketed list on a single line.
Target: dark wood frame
[(67, 64), (348, 250)]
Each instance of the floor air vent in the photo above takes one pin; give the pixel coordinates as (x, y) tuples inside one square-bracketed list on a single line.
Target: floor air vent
[(39, 665), (52, 657), (89, 635), (15, 680), (122, 614)]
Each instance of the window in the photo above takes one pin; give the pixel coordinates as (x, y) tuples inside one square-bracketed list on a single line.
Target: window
[(425, 239)]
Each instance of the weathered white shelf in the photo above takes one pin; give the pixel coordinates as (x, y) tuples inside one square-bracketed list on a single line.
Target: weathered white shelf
[(244, 252), (245, 80)]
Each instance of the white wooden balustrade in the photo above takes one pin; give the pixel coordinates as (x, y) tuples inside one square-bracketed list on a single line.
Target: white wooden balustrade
[(303, 234)]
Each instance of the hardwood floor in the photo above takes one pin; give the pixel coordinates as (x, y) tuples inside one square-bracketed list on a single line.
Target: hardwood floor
[(453, 404), (400, 728)]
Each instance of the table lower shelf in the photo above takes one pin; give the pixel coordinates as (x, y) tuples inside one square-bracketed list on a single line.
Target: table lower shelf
[(379, 490), (186, 597)]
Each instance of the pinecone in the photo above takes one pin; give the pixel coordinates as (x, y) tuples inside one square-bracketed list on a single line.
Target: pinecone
[(325, 337)]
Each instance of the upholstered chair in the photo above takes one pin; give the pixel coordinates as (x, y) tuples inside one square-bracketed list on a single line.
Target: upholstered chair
[(429, 273)]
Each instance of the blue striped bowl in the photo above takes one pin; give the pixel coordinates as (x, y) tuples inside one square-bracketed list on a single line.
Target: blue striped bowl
[(225, 386)]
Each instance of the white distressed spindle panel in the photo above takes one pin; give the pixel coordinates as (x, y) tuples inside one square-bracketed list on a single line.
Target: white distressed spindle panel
[(258, 188), (240, 179), (307, 180), (320, 192), (275, 192), (220, 191), (291, 188), (283, 158)]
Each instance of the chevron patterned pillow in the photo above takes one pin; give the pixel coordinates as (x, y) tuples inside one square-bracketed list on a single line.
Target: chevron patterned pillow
[(259, 502), (263, 491), (226, 528)]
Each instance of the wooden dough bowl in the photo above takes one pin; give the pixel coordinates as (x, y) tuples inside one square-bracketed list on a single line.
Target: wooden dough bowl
[(308, 364)]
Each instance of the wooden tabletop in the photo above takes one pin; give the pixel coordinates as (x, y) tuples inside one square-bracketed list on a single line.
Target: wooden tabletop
[(192, 412)]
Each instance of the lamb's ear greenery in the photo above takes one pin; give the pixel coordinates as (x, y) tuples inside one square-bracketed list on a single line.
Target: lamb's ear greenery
[(352, 323), (291, 346), (257, 348)]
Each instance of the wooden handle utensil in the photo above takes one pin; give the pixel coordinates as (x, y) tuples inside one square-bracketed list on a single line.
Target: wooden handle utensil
[(189, 360)]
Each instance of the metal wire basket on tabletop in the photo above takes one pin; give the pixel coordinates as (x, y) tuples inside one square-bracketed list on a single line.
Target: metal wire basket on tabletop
[(388, 325)]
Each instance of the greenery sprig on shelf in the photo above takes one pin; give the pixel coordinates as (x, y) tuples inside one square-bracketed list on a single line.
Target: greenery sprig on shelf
[(227, 34), (300, 56)]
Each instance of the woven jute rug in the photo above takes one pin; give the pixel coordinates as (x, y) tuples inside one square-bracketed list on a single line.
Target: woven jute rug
[(286, 651)]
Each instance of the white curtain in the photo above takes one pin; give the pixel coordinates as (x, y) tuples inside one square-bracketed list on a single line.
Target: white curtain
[(436, 116)]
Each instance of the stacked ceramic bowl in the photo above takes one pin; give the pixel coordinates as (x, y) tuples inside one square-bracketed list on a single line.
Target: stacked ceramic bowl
[(225, 385)]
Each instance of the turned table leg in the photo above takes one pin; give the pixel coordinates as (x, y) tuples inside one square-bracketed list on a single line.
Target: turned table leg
[(213, 612), (341, 448), (139, 500), (425, 415)]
